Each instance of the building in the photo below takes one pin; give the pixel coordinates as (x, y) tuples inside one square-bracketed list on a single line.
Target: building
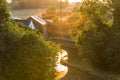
[(28, 23), (40, 24), (35, 22)]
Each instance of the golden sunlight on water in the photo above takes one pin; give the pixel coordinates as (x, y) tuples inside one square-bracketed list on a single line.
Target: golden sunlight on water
[(61, 69)]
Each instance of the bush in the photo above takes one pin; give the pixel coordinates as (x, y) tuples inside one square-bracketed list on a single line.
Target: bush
[(100, 42), (25, 55)]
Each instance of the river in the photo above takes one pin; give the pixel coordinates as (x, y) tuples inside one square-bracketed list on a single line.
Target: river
[(64, 72), (70, 71), (77, 73), (25, 13), (60, 68)]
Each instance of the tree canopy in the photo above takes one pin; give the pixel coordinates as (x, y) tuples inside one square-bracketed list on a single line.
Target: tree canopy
[(24, 54), (4, 12), (22, 4), (99, 43)]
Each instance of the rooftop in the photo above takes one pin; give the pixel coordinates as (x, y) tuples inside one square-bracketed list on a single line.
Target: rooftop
[(40, 20)]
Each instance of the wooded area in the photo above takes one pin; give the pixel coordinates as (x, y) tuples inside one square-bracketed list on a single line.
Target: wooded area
[(20, 4), (24, 53)]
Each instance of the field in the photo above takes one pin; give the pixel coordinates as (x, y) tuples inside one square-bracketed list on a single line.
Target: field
[(24, 13)]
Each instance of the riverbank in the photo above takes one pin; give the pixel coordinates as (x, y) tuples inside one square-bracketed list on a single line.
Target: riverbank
[(78, 69)]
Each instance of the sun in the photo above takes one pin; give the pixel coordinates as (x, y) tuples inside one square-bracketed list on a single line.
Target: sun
[(70, 1)]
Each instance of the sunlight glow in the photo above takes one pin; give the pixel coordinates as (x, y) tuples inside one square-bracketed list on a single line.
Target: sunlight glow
[(61, 69), (62, 0), (101, 0), (9, 1), (70, 1)]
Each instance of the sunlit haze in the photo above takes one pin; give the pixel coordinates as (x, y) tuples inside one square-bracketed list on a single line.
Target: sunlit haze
[(9, 1), (70, 1)]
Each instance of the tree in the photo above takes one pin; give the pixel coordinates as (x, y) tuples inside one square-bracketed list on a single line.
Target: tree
[(51, 14), (100, 42), (34, 4), (115, 5), (4, 12), (24, 54), (56, 27)]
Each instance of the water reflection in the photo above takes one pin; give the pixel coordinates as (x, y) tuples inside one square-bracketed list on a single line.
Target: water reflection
[(61, 69)]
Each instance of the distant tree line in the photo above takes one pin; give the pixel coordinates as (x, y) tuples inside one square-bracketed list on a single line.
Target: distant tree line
[(20, 4)]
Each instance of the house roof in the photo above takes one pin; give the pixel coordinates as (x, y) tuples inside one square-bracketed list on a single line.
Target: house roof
[(38, 19), (26, 22)]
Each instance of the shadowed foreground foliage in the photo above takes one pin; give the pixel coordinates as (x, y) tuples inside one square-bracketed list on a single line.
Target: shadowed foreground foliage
[(24, 54)]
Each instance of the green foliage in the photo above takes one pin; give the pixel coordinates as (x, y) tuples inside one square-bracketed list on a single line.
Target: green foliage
[(25, 55), (116, 17), (100, 42), (58, 29), (51, 14), (96, 11), (4, 13), (79, 23)]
